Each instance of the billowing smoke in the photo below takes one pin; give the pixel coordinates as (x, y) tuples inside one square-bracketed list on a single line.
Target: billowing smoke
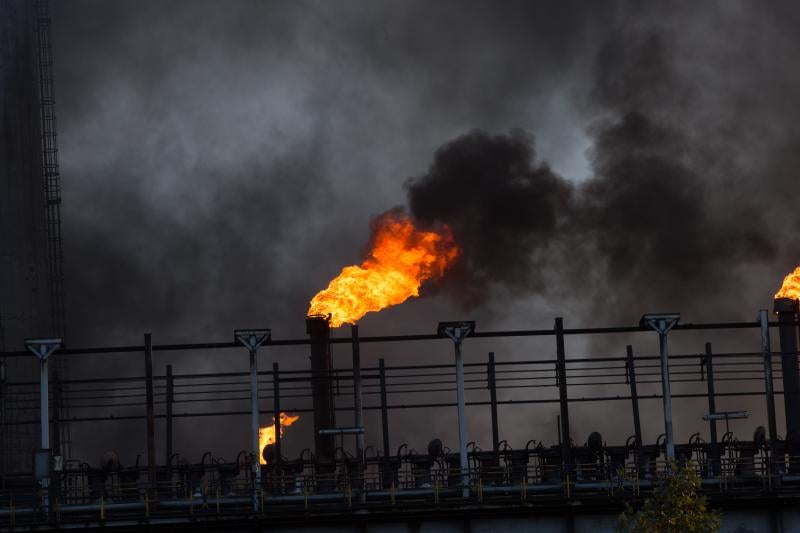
[(644, 223), (502, 205), (217, 172)]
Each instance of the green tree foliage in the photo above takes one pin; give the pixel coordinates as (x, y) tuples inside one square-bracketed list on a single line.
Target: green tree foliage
[(675, 507)]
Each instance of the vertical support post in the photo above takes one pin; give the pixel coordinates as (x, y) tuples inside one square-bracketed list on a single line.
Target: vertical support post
[(277, 468), (151, 444), (3, 429), (44, 402), (252, 339), (662, 323), (55, 488), (255, 465), (663, 348), (492, 379), (358, 408), (769, 392), (43, 349), (462, 430), (712, 408), (384, 415), (169, 400), (566, 450), (56, 411), (637, 425), (456, 332)]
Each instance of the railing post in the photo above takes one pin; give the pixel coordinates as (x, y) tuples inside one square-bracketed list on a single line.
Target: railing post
[(384, 417), (359, 413), (566, 444), (277, 468), (151, 443), (766, 350), (637, 425), (492, 382), (170, 397), (712, 408)]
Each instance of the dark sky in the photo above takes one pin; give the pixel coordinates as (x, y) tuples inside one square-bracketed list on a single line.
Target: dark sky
[(222, 160)]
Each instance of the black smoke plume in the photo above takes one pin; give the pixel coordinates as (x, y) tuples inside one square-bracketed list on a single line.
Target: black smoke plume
[(645, 223), (502, 205)]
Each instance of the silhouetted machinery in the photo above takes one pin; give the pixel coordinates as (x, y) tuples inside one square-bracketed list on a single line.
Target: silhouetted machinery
[(517, 461), (128, 480), (589, 458), (422, 466), (438, 468), (390, 468), (228, 472)]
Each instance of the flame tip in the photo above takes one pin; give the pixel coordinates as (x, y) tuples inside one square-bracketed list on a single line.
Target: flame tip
[(266, 434), (401, 259), (790, 288)]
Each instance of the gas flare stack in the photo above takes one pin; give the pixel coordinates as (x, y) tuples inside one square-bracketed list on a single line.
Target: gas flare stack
[(787, 311), (319, 331)]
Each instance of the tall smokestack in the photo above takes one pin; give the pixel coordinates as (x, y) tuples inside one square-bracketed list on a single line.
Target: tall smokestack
[(786, 309), (318, 328)]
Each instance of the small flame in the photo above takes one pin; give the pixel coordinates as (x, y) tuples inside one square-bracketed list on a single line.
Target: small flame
[(791, 286), (266, 435), (401, 259)]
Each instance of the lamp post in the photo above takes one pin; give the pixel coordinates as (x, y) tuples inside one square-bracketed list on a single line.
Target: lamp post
[(662, 323), (457, 331), (252, 339)]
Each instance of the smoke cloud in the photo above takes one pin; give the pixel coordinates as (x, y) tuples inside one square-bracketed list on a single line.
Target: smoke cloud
[(502, 205), (221, 162), (648, 221)]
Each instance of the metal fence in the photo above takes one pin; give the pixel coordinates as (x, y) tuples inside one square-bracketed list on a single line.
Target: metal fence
[(559, 469)]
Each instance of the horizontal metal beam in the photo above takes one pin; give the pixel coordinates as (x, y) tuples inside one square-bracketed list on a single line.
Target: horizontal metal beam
[(400, 406), (394, 338)]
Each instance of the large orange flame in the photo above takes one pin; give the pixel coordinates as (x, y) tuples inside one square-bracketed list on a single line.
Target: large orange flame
[(266, 435), (791, 286), (401, 259)]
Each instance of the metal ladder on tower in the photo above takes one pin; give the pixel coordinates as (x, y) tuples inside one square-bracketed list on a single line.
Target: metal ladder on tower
[(52, 197)]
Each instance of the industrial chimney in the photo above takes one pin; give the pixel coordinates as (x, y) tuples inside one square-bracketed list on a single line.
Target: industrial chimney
[(318, 329), (786, 309)]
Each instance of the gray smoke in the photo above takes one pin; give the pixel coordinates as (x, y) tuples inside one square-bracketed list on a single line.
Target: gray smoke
[(502, 205), (221, 162), (653, 221)]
